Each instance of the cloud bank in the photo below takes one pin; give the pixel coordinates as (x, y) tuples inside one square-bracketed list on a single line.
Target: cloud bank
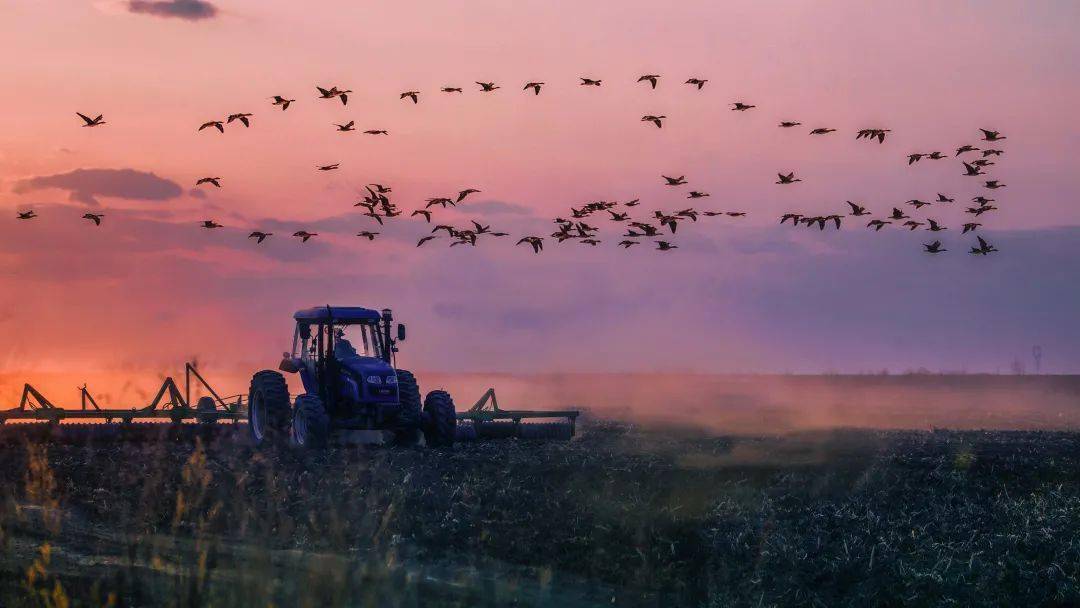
[(189, 10)]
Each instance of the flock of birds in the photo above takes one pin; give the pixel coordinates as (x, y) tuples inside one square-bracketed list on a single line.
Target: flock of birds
[(581, 225)]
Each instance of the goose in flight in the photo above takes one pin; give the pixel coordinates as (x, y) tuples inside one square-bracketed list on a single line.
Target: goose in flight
[(941, 198), (27, 215), (982, 200), (426, 239), (651, 78), (94, 217), (333, 92), (91, 122), (376, 132), (633, 203), (970, 227), (898, 215), (367, 235), (535, 86), (936, 155), (213, 123), (674, 181), (989, 135), (423, 212), (914, 158), (214, 181), (913, 225), (697, 82), (935, 226), (259, 236), (992, 152), (993, 184), (982, 162), (878, 134), (877, 225), (593, 242), (589, 82), (487, 87), (330, 167), (739, 214), (618, 217), (857, 210), (665, 246), (977, 211), (451, 89), (374, 216), (466, 192), (972, 170), (787, 124), (281, 101), (413, 95), (787, 179), (822, 131), (381, 189), (696, 194), (654, 119), (917, 203), (983, 248), (965, 148), (431, 202), (210, 224), (536, 242), (626, 244), (739, 106), (304, 235), (242, 117), (346, 127), (794, 217), (934, 247)]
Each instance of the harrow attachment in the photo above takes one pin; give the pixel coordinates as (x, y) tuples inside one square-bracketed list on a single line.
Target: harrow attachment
[(169, 414), (483, 422)]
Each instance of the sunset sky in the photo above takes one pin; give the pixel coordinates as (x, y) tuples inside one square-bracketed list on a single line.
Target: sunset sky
[(149, 288)]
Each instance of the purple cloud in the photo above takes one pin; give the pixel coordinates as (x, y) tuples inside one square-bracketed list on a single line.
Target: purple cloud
[(85, 185), (189, 10)]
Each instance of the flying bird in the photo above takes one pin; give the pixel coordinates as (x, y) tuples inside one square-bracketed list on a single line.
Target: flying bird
[(965, 148), (215, 181), (423, 212), (989, 135), (898, 215), (935, 155), (992, 152), (304, 235), (213, 123), (281, 101), (94, 217), (536, 242), (983, 248), (381, 189), (628, 243), (787, 179), (698, 82), (941, 198), (487, 87), (822, 131), (376, 132), (413, 95), (934, 226), (934, 247), (91, 122), (367, 235), (346, 127), (877, 225), (466, 192), (259, 236), (451, 89), (917, 203), (242, 117), (651, 78), (329, 167), (971, 170), (333, 92), (589, 82), (914, 158), (696, 194), (739, 106), (857, 210), (787, 124), (878, 134), (27, 215), (665, 246), (653, 119), (993, 184), (535, 86), (425, 239), (211, 224), (674, 181), (970, 227)]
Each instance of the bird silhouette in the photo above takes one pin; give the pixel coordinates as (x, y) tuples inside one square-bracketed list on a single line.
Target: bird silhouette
[(626, 244), (423, 212), (215, 181), (281, 101), (213, 123), (972, 170), (91, 122), (536, 242), (989, 135), (738, 214), (696, 194), (346, 127), (917, 203), (651, 78), (877, 225), (941, 198), (94, 217), (653, 119), (898, 215), (878, 134), (787, 124), (970, 227), (535, 86), (913, 225), (665, 246), (794, 217), (451, 89), (27, 215), (330, 167), (787, 179), (431, 202), (304, 235), (822, 131), (376, 132), (992, 152), (333, 92), (633, 203), (367, 235), (993, 184), (210, 224), (965, 148), (674, 181), (413, 95), (259, 236), (589, 82), (425, 239), (243, 117), (857, 210), (487, 87), (466, 192), (381, 189), (983, 248), (935, 226), (739, 106), (698, 82), (936, 155), (914, 158), (934, 247)]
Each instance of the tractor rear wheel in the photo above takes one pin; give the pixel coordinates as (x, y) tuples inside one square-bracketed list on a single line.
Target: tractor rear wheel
[(440, 419), (407, 431), (311, 423), (268, 407)]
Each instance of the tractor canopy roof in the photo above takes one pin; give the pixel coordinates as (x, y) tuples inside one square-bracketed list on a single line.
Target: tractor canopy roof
[(337, 314)]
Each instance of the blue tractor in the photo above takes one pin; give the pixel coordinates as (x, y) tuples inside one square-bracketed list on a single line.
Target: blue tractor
[(345, 357)]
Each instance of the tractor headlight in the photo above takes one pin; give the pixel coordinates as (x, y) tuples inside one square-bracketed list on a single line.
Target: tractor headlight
[(391, 379), (374, 380)]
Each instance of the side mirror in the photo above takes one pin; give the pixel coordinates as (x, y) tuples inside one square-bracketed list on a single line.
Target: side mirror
[(288, 364), (401, 332)]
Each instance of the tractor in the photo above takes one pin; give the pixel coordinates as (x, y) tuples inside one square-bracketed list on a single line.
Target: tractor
[(345, 357)]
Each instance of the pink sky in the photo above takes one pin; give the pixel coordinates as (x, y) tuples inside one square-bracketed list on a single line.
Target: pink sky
[(148, 287)]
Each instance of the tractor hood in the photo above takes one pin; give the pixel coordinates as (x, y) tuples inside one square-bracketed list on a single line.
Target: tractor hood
[(367, 366)]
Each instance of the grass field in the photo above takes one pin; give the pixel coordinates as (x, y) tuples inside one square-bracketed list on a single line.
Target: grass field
[(619, 516)]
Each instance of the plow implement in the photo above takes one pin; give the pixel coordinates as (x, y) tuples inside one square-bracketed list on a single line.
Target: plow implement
[(171, 415)]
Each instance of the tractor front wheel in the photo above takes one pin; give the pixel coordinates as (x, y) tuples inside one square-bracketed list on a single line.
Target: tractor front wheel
[(311, 423), (407, 430), (440, 419), (268, 407)]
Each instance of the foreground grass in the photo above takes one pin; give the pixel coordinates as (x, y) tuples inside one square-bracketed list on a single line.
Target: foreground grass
[(619, 515)]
